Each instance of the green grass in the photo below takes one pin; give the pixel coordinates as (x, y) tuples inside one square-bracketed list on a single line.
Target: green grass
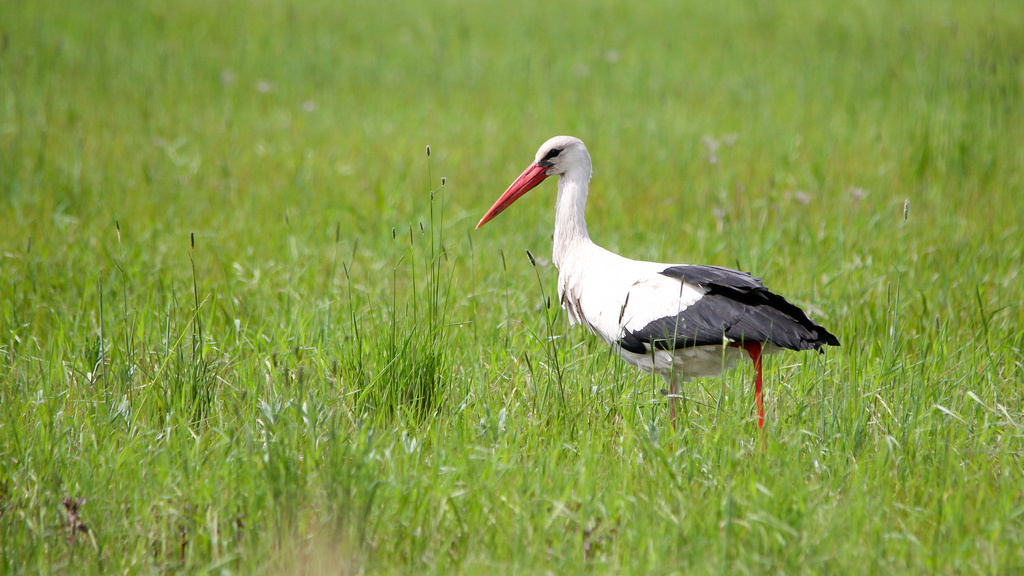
[(245, 328)]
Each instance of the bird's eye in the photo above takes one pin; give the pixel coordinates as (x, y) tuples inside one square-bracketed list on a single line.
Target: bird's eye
[(546, 160)]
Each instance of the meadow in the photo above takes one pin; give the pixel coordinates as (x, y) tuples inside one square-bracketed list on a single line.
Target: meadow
[(247, 327)]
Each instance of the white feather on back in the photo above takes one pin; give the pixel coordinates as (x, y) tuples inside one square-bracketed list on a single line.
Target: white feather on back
[(610, 294)]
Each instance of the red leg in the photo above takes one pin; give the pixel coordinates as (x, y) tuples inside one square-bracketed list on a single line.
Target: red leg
[(754, 350)]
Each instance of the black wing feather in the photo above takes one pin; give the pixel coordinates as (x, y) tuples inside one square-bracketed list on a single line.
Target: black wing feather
[(738, 307)]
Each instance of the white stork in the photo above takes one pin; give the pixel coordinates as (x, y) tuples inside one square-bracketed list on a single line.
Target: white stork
[(680, 321)]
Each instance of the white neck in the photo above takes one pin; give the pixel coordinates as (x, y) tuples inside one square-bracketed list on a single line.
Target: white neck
[(570, 227)]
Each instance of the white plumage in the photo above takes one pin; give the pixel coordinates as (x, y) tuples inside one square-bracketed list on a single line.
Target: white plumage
[(613, 296), (675, 320)]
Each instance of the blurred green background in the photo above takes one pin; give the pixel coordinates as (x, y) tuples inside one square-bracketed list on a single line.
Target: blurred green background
[(244, 327)]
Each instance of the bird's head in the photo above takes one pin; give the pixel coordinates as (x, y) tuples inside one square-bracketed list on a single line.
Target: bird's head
[(560, 155)]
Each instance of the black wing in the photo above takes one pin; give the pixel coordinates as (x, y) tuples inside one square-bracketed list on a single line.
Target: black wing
[(736, 306)]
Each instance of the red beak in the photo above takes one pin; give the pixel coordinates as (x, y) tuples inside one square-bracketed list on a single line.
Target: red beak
[(527, 180)]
